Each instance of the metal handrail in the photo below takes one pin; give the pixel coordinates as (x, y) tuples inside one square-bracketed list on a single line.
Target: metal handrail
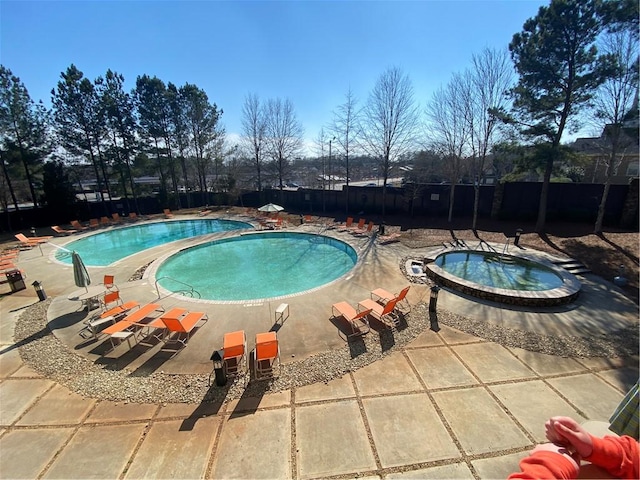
[(192, 292)]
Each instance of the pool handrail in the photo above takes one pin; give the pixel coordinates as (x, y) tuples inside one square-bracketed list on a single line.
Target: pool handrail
[(192, 292)]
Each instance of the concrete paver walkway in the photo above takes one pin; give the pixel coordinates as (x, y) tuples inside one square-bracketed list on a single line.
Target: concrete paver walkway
[(447, 405)]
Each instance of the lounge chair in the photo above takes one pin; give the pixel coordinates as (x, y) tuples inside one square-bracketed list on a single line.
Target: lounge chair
[(62, 231), (204, 213), (116, 217), (355, 319), (182, 327), (167, 213), (158, 324), (133, 217), (94, 223), (359, 226), (346, 226), (104, 221), (92, 328), (384, 314), (266, 355), (234, 358), (363, 231), (382, 296), (30, 242), (127, 328), (77, 225), (392, 237)]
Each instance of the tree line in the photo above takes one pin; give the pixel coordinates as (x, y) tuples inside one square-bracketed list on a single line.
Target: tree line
[(574, 57)]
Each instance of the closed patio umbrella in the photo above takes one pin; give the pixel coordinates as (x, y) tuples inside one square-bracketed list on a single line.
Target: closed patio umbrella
[(80, 273), (271, 207)]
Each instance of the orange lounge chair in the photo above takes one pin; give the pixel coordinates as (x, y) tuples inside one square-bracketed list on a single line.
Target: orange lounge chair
[(384, 314), (62, 231), (346, 226), (359, 226), (116, 217), (30, 242), (392, 237), (126, 328), (133, 216), (167, 213), (104, 221), (266, 355), (157, 323), (234, 358), (355, 319), (94, 223), (93, 325), (382, 296), (363, 231), (77, 225), (183, 327)]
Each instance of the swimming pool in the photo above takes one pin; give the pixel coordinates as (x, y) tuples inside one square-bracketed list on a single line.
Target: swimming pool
[(504, 278), (257, 266), (106, 247)]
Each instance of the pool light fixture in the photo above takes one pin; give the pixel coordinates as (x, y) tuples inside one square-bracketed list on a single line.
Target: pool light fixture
[(218, 368)]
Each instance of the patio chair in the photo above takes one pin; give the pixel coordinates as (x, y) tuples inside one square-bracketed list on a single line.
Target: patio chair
[(116, 217), (32, 240), (392, 237), (346, 226), (385, 314), (359, 226), (234, 358), (266, 355), (355, 319), (183, 327), (127, 328), (382, 296), (104, 221), (77, 225), (94, 223), (108, 282), (363, 231), (133, 217), (158, 324), (167, 213), (62, 231)]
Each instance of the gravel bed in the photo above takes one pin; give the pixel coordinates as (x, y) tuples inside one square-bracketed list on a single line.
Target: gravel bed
[(43, 352)]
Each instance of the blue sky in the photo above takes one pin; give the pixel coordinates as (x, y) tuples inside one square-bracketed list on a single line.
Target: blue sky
[(309, 52)]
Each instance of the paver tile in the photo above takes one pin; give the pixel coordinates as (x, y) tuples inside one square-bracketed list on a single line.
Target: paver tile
[(279, 399), (428, 338), (331, 439), (499, 467), (439, 368), (590, 394), (478, 421), (10, 361), (517, 397), (59, 406), (266, 435), (406, 429), (451, 336), (446, 472), (26, 371), (25, 453), (547, 364), (18, 395), (97, 452), (184, 410), (393, 374), (107, 411), (492, 362), (170, 452), (604, 362), (621, 378), (334, 390)]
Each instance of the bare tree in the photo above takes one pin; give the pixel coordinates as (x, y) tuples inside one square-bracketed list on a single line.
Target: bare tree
[(389, 121), (345, 121), (448, 127), (284, 135), (319, 144), (489, 81), (253, 131), (613, 101)]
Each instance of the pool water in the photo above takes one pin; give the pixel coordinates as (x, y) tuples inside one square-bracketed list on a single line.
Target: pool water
[(104, 248), (493, 270), (257, 266)]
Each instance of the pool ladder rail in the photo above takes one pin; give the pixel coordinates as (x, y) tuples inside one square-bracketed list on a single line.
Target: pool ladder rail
[(188, 292)]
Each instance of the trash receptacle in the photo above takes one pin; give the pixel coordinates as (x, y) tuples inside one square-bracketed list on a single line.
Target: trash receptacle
[(16, 282)]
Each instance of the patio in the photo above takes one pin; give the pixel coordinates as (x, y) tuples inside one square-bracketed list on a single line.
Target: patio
[(444, 404)]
